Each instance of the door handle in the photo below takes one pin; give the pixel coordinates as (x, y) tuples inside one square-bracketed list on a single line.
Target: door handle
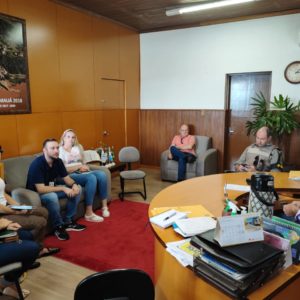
[(230, 130)]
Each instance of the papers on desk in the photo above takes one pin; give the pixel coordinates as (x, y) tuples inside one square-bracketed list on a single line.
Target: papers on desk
[(294, 175), (237, 187), (192, 226), (183, 251), (167, 218)]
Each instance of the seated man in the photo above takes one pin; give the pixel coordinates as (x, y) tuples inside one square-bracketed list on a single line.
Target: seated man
[(261, 156), (44, 176), (182, 150)]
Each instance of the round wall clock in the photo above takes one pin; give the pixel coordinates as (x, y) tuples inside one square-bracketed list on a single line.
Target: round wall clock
[(292, 72)]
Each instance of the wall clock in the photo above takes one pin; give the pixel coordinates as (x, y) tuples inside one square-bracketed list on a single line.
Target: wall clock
[(292, 72)]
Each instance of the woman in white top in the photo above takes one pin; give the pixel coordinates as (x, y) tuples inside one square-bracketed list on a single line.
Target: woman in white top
[(71, 153)]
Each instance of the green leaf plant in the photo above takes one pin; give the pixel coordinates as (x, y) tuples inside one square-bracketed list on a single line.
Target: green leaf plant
[(281, 119)]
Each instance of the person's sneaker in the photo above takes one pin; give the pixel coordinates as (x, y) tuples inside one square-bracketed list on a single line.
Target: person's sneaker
[(105, 212), (73, 226), (61, 233), (93, 218)]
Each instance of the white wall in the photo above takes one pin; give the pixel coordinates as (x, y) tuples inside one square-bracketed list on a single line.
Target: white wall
[(186, 68)]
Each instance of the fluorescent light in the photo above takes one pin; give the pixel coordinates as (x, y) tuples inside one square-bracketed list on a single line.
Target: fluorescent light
[(193, 8)]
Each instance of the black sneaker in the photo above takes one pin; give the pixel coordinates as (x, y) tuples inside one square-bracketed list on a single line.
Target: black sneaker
[(73, 226), (61, 233)]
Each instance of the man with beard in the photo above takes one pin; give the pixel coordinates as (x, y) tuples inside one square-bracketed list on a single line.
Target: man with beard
[(48, 176)]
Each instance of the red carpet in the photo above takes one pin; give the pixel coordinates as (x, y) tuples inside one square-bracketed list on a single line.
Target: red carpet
[(123, 240)]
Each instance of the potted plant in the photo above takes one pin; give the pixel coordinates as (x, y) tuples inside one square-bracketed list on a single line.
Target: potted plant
[(281, 119)]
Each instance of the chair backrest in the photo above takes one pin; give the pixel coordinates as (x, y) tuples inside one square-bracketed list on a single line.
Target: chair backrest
[(203, 143), (129, 154), (16, 169), (122, 284)]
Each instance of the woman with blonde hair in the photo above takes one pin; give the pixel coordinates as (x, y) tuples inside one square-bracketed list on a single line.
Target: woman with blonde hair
[(71, 153)]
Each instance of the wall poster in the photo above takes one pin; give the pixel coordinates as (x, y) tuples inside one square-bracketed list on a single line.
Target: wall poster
[(14, 79)]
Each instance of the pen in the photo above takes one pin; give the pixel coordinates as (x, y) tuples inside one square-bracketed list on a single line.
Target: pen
[(170, 216)]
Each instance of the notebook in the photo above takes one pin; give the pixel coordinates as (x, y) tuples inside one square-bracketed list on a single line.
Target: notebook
[(167, 218)]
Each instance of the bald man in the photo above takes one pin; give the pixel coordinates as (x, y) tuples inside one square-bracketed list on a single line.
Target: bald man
[(260, 156), (182, 149)]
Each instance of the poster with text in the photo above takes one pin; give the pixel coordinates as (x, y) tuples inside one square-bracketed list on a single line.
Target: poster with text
[(14, 79)]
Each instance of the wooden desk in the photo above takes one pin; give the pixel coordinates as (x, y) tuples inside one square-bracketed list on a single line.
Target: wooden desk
[(174, 282)]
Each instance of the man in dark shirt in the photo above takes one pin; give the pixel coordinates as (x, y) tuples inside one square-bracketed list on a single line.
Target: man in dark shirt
[(48, 176)]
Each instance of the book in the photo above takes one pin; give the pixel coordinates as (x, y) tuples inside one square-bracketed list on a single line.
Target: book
[(280, 243), (286, 229), (167, 218), (7, 233), (192, 226), (294, 175), (21, 207)]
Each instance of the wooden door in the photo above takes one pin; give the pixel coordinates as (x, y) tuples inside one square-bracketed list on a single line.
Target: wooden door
[(114, 113), (240, 89)]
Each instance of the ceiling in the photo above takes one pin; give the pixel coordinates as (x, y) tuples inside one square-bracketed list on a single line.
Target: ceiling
[(149, 15)]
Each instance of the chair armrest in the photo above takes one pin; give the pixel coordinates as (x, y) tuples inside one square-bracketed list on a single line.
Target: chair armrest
[(16, 266), (26, 196), (207, 163), (94, 167)]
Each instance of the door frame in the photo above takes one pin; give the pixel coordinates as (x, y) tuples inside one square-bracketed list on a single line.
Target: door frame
[(227, 105)]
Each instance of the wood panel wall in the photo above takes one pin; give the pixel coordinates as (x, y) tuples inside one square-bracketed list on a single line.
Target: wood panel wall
[(69, 52), (157, 128)]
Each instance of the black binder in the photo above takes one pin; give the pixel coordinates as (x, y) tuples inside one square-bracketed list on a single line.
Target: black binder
[(236, 270)]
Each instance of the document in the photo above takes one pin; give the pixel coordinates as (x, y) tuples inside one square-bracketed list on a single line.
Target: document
[(237, 187), (239, 229), (192, 226), (167, 218), (294, 175), (183, 251)]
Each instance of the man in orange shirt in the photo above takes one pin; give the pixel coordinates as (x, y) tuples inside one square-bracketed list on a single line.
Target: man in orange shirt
[(182, 150)]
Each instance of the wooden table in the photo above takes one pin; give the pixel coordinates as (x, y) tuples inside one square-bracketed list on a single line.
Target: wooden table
[(174, 282)]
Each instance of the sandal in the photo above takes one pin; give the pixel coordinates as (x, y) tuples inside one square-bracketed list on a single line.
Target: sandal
[(50, 251), (105, 212), (9, 291)]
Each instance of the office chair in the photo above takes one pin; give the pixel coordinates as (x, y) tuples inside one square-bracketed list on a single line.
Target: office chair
[(129, 155), (120, 284), (11, 268)]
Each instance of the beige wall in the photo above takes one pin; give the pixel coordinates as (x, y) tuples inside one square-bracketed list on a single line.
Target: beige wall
[(81, 68)]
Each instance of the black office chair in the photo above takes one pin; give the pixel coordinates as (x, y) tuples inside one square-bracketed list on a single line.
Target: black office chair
[(8, 269), (120, 284), (130, 155)]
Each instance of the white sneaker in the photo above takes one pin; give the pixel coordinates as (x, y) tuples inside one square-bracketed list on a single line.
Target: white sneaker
[(93, 218), (105, 212)]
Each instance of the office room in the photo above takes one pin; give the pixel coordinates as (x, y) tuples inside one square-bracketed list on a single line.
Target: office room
[(132, 73)]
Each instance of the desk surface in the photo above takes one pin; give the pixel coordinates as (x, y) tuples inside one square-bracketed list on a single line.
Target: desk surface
[(207, 191)]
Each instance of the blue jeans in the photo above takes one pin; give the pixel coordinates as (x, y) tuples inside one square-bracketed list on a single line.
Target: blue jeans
[(181, 157), (90, 181), (25, 251), (51, 202)]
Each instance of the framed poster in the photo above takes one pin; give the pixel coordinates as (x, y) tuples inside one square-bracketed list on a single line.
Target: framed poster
[(14, 79)]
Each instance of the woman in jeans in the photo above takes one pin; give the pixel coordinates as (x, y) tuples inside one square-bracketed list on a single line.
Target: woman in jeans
[(71, 152)]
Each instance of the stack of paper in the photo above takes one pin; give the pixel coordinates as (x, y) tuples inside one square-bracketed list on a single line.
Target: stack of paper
[(192, 226), (183, 251), (294, 175), (167, 218)]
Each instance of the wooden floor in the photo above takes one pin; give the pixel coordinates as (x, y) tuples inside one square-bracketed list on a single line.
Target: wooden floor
[(57, 279)]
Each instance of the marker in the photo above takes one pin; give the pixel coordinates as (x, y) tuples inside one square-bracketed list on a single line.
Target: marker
[(170, 216)]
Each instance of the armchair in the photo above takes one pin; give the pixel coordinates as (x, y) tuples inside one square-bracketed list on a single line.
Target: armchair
[(205, 164)]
